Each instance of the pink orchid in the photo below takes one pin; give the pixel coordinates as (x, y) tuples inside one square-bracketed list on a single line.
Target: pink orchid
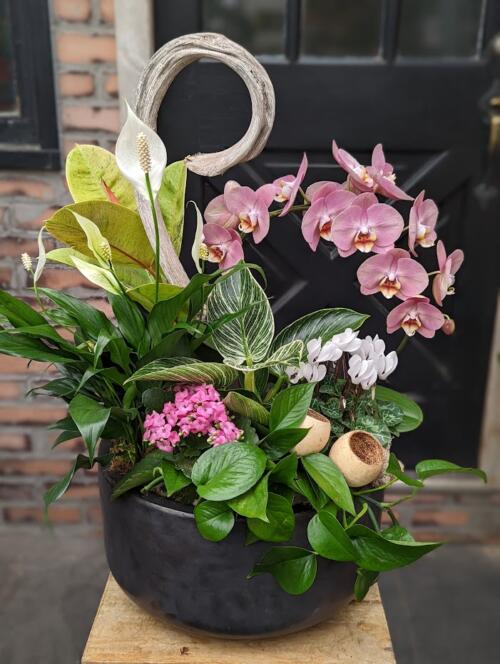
[(320, 218), (448, 267), (216, 211), (251, 208), (392, 273), (321, 189), (415, 315), (378, 178), (223, 245), (367, 225), (423, 218), (448, 326), (288, 186)]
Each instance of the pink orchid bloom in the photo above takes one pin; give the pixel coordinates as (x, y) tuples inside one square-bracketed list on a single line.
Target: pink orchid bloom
[(223, 245), (252, 208), (378, 178), (423, 218), (392, 273), (321, 189), (448, 326), (216, 211), (415, 315), (320, 218), (448, 267), (367, 225), (288, 186)]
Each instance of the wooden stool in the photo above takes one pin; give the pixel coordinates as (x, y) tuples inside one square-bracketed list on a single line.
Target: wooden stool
[(124, 634)]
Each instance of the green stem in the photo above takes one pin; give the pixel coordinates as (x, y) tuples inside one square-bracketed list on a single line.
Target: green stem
[(249, 381), (403, 343), (152, 484), (294, 208), (273, 391), (157, 236), (112, 270)]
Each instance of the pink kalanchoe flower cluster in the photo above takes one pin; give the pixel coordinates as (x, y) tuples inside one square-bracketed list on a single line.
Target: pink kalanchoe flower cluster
[(196, 410)]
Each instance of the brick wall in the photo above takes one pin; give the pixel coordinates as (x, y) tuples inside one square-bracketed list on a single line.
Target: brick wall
[(85, 75)]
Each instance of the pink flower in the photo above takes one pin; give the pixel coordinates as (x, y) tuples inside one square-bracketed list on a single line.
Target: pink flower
[(448, 326), (448, 267), (223, 245), (378, 178), (415, 315), (216, 211), (392, 273), (251, 208), (319, 219), (367, 225), (288, 186), (321, 189), (423, 218)]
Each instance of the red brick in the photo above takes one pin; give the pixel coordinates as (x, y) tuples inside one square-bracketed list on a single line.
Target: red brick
[(61, 279), (10, 390), (14, 247), (79, 48), (70, 142), (86, 117), (31, 188), (102, 305), (74, 10), (424, 498), (34, 220), (34, 466), (94, 514), (31, 414), (76, 84), (428, 518), (426, 536), (57, 514), (18, 365), (73, 446), (82, 492), (107, 11), (111, 85), (5, 276), (14, 441), (15, 492)]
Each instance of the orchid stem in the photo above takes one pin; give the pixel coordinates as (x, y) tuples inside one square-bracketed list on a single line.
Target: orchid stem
[(403, 343), (157, 236), (294, 208)]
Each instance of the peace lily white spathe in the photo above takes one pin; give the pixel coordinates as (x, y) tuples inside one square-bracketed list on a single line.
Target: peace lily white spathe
[(127, 154)]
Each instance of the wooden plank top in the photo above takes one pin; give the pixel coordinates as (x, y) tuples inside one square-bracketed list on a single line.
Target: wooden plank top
[(123, 633)]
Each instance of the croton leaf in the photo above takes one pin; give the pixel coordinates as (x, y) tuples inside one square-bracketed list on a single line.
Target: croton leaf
[(293, 568), (187, 370)]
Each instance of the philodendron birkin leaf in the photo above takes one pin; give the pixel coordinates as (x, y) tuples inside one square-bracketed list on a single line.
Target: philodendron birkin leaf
[(187, 370), (246, 339), (289, 355), (243, 405), (90, 418), (292, 567)]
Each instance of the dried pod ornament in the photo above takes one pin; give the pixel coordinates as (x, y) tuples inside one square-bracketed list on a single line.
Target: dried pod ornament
[(359, 456)]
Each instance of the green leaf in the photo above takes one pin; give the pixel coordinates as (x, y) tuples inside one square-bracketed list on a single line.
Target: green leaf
[(280, 521), (324, 324), (145, 293), (252, 503), (397, 533), (242, 405), (311, 491), (285, 471), (431, 467), (286, 356), (364, 580), (327, 475), (245, 339), (171, 200), (412, 413), (90, 320), (59, 488), (377, 554), (214, 520), (290, 406), (17, 312), (329, 539), (129, 320), (394, 468), (374, 426), (96, 242), (99, 276), (20, 345), (90, 418), (154, 398), (141, 473), (227, 471), (186, 370), (293, 568), (277, 443), (391, 414), (173, 479), (92, 175)]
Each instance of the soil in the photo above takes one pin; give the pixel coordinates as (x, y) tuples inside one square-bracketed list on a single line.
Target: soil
[(366, 448)]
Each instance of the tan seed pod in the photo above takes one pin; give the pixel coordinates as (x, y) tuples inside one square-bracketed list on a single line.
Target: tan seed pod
[(317, 436), (359, 456)]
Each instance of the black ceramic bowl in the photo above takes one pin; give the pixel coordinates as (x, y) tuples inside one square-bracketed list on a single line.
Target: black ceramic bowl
[(157, 556)]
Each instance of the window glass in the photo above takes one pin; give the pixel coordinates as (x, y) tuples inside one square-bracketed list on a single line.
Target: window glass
[(8, 92)]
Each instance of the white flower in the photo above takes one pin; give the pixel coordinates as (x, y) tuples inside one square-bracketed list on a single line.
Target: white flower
[(312, 373), (139, 147), (386, 364), (347, 341), (371, 347), (316, 352), (369, 363), (362, 371)]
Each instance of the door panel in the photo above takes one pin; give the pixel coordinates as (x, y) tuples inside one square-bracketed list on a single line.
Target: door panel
[(361, 89)]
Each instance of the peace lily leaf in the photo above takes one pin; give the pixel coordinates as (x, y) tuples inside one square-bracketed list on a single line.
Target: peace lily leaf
[(141, 473), (92, 175), (121, 227), (253, 503), (394, 468), (327, 475), (90, 418), (247, 338), (186, 371), (364, 580), (323, 324), (145, 294), (227, 471), (96, 242), (293, 568), (97, 275), (92, 321), (173, 479), (42, 258), (431, 467), (127, 155), (377, 554), (171, 200), (290, 406), (129, 320), (280, 521), (198, 239), (329, 539), (17, 312), (59, 488), (242, 405), (214, 520), (31, 349), (412, 413)]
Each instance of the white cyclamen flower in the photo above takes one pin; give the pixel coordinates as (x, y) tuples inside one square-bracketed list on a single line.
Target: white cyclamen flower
[(386, 364), (347, 341), (369, 363), (362, 371), (139, 147), (317, 353)]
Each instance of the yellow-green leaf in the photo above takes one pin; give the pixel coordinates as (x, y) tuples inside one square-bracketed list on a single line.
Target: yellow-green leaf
[(171, 200)]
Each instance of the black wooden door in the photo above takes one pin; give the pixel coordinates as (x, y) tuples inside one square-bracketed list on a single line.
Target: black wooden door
[(414, 75)]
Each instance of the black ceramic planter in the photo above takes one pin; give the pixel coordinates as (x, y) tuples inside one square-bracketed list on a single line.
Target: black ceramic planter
[(160, 560)]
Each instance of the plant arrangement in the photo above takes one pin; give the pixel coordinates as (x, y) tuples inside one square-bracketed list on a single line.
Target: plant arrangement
[(202, 401)]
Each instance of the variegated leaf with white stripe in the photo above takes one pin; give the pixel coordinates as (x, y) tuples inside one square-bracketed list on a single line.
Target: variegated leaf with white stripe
[(185, 370), (288, 355)]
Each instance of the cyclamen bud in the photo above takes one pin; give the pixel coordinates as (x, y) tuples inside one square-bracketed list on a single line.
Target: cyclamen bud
[(27, 262), (143, 152), (448, 327)]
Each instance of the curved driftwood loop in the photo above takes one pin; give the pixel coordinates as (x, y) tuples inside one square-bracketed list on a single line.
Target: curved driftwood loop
[(171, 58)]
